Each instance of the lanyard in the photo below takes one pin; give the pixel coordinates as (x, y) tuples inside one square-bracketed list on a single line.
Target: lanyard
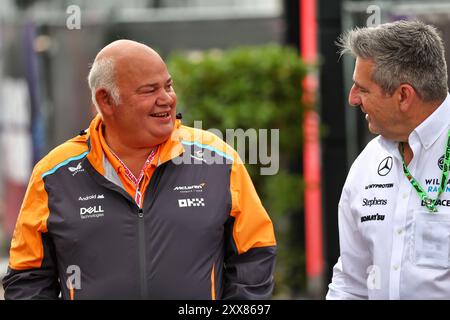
[(133, 179), (429, 203)]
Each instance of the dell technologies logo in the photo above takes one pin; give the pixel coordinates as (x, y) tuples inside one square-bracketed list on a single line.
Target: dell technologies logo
[(92, 212)]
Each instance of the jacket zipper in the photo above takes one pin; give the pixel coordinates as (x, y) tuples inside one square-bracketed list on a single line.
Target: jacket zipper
[(142, 255), (141, 225), (142, 243)]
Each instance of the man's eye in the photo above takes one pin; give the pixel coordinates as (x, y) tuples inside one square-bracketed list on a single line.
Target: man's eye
[(362, 90)]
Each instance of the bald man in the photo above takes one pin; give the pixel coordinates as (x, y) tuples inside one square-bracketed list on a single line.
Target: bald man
[(139, 206)]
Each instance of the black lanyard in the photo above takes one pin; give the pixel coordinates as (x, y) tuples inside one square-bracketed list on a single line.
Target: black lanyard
[(429, 203)]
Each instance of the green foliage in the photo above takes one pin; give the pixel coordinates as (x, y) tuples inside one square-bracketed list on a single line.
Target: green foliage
[(260, 88)]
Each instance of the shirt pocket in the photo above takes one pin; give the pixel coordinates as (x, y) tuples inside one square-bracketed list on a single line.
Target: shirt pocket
[(431, 239)]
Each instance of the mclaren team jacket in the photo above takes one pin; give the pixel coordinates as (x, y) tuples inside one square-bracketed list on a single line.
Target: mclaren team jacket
[(202, 232)]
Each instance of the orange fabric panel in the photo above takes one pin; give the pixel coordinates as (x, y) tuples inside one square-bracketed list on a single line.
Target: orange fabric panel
[(213, 286), (95, 157), (166, 151), (99, 148), (172, 148), (252, 226), (26, 246), (208, 138)]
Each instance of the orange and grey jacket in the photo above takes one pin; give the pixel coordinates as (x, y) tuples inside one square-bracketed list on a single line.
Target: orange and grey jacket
[(202, 232)]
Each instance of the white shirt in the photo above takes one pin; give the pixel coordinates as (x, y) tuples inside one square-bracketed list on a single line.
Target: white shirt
[(391, 246)]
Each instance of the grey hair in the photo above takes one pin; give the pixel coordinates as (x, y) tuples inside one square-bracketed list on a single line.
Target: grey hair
[(403, 52), (102, 75)]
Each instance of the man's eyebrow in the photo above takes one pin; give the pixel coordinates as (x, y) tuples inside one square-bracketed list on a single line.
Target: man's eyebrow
[(147, 85), (359, 85), (152, 85)]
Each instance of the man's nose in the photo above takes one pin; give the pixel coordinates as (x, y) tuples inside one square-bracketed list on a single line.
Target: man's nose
[(353, 97), (164, 98)]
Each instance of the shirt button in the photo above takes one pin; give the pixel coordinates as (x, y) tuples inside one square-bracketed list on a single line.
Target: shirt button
[(405, 195), (396, 267), (400, 231)]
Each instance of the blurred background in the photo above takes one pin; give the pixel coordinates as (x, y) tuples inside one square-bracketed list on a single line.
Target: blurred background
[(262, 64)]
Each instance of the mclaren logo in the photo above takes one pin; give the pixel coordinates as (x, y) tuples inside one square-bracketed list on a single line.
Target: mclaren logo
[(385, 166), (191, 188)]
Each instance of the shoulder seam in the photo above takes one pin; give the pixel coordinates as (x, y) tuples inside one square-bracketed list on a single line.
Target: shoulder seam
[(205, 146), (59, 165)]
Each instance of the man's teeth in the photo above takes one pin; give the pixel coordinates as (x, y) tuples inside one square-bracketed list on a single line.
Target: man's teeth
[(160, 115)]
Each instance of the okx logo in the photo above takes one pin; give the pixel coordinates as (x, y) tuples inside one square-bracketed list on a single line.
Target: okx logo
[(195, 202)]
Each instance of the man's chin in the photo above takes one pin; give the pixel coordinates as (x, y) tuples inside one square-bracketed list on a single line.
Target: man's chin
[(161, 137)]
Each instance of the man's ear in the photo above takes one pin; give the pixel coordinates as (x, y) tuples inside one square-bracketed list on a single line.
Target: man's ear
[(406, 95), (104, 101)]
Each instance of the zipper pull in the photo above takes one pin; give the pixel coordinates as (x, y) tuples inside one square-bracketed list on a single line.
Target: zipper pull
[(138, 197), (140, 213)]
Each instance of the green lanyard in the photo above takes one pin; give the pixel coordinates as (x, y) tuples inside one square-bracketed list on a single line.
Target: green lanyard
[(429, 203)]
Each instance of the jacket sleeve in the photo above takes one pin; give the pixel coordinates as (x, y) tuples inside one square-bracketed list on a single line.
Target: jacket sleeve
[(32, 271), (251, 245), (349, 280)]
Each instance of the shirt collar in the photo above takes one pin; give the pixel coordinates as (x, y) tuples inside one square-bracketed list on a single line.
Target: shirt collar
[(428, 131), (390, 146), (433, 126)]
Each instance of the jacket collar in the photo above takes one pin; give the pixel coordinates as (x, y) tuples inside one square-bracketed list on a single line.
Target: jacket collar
[(168, 150)]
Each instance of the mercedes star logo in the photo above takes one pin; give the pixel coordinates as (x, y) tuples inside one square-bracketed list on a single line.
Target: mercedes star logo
[(385, 166)]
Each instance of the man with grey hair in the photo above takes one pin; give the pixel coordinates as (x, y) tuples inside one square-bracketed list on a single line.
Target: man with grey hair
[(394, 211), (122, 212)]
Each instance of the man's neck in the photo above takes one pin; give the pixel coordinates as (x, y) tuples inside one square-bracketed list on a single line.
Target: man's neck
[(134, 158), (408, 153), (419, 114), (422, 111)]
